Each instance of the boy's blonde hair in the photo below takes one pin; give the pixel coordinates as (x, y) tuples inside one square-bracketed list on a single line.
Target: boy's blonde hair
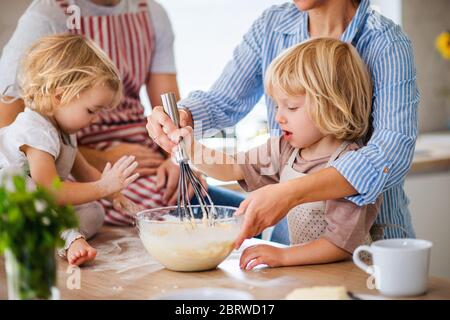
[(64, 64), (334, 78)]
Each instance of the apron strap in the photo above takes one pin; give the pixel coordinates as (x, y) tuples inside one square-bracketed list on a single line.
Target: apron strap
[(338, 151), (292, 157)]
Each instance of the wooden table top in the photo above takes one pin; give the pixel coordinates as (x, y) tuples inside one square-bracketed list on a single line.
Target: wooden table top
[(124, 270)]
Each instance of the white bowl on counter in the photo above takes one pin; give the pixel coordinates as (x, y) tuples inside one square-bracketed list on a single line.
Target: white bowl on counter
[(181, 246)]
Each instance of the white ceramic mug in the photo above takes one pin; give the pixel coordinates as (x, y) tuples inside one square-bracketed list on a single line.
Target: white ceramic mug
[(400, 266)]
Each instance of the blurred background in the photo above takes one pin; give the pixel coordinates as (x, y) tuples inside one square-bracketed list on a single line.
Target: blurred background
[(199, 63)]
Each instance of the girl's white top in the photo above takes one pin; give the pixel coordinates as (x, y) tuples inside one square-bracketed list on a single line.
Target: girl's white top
[(32, 129)]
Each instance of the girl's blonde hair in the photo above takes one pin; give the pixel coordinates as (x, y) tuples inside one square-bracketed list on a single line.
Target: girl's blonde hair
[(334, 78), (64, 64)]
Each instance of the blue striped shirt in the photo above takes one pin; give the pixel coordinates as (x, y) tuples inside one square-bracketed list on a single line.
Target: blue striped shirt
[(378, 168)]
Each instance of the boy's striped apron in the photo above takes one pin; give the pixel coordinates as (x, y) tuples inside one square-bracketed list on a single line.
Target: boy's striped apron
[(128, 40)]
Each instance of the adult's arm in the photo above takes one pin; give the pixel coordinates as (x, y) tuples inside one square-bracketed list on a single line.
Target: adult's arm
[(9, 111), (238, 88), (360, 175), (387, 157), (363, 175), (162, 73), (159, 83), (167, 174), (231, 97)]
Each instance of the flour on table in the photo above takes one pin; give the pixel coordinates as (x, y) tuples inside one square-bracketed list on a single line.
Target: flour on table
[(123, 255), (245, 277)]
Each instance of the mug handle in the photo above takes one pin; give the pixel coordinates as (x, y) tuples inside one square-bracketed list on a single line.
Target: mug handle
[(357, 260)]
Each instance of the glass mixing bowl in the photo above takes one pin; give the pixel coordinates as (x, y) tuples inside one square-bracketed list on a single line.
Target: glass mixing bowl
[(182, 246)]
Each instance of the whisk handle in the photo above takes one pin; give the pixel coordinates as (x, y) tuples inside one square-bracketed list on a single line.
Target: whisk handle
[(169, 102)]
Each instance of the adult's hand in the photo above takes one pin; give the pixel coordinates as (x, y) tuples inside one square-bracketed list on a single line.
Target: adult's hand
[(149, 160), (167, 177), (263, 208), (268, 205), (159, 126)]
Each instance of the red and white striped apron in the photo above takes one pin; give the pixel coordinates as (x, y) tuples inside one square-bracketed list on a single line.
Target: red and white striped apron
[(128, 40)]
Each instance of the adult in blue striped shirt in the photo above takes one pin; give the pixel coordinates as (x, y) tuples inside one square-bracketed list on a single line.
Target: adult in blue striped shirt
[(361, 176)]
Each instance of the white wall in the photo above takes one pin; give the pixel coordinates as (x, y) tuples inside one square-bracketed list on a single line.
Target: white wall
[(206, 34), (10, 11), (423, 21), (389, 8), (430, 210)]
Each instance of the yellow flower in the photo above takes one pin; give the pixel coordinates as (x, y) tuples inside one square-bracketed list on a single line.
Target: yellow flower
[(443, 44)]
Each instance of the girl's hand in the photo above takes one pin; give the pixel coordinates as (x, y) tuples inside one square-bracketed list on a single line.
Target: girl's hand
[(264, 208), (123, 204), (262, 254), (120, 175)]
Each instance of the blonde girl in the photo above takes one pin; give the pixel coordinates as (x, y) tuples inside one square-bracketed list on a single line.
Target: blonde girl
[(65, 81), (322, 92)]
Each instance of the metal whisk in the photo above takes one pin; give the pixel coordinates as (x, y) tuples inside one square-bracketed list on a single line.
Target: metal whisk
[(187, 176)]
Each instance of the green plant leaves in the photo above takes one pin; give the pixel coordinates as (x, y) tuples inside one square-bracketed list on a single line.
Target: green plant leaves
[(30, 226)]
